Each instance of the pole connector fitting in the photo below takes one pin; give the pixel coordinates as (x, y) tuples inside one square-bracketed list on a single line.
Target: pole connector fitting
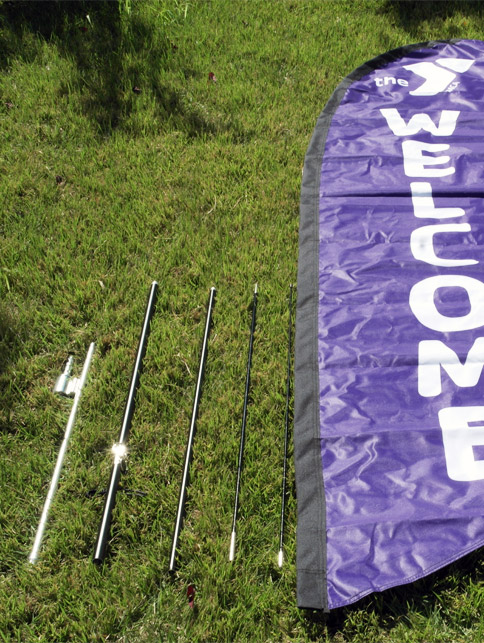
[(65, 384)]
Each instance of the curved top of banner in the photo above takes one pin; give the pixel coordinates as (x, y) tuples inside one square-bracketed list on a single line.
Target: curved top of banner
[(389, 392)]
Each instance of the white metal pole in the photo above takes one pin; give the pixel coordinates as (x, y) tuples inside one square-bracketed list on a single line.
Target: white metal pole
[(34, 554)]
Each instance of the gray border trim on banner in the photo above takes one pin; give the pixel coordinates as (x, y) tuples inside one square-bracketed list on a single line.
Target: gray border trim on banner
[(311, 521)]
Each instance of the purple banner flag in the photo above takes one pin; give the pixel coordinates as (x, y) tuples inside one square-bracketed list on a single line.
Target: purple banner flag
[(389, 397)]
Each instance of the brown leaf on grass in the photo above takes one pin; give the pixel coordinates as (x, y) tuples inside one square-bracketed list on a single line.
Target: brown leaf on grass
[(191, 595)]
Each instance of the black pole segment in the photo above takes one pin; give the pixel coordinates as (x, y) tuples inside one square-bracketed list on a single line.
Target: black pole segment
[(286, 433), (119, 449), (242, 431), (188, 454)]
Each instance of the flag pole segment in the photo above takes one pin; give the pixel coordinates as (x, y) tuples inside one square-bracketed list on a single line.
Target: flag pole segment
[(119, 450), (191, 434), (68, 387)]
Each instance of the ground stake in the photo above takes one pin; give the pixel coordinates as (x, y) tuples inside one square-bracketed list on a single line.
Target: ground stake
[(242, 431)]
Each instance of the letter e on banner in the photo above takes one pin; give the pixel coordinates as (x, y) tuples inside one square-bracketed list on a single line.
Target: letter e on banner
[(460, 439), (414, 161)]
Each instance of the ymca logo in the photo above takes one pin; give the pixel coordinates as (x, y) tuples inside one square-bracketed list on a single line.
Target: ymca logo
[(438, 77)]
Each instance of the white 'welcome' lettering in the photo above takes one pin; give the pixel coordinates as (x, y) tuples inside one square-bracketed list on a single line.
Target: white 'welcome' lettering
[(434, 355), (425, 160), (446, 126)]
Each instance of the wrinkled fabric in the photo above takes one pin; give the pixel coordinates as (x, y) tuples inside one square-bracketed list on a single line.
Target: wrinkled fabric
[(382, 510)]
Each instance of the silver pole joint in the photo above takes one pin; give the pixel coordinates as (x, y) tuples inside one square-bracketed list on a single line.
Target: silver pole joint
[(65, 384)]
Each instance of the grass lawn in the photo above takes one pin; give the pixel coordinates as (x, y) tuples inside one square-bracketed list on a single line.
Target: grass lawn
[(164, 140)]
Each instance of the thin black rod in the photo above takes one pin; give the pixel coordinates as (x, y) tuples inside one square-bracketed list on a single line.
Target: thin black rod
[(286, 432), (119, 450), (188, 454), (242, 431)]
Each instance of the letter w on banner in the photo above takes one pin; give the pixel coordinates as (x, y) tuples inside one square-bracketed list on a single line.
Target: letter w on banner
[(389, 415)]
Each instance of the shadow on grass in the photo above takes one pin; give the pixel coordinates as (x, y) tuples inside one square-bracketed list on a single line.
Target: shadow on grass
[(10, 339), (440, 591), (9, 336), (117, 57), (412, 13)]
